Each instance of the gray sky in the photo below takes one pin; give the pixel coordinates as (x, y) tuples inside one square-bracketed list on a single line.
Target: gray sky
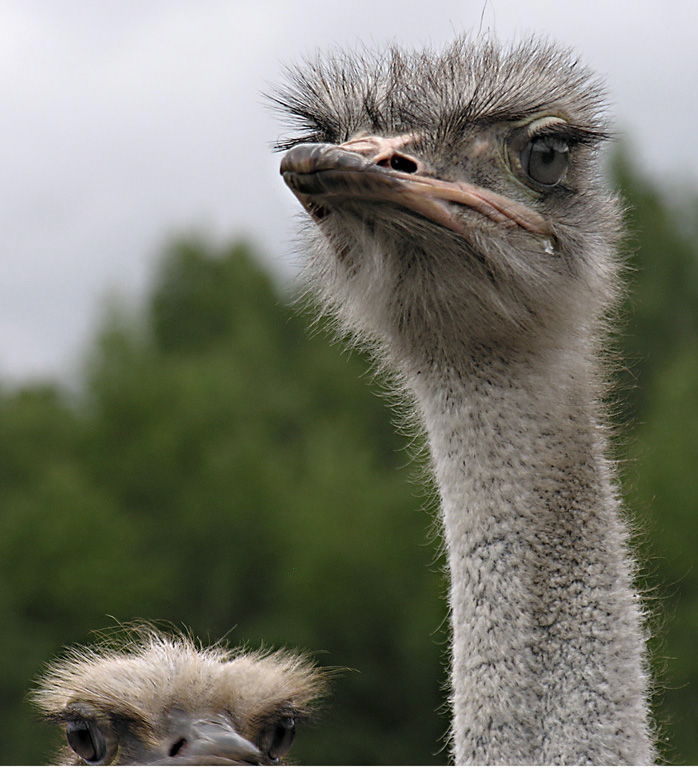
[(124, 122)]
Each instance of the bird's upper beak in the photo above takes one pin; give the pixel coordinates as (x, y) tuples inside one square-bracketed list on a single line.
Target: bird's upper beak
[(378, 169), (206, 742)]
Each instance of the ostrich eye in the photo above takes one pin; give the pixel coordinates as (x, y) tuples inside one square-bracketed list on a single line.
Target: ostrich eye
[(86, 740), (277, 739), (544, 159)]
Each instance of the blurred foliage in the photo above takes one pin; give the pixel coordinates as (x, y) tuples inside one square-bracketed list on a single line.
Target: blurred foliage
[(661, 312), (659, 387), (223, 469)]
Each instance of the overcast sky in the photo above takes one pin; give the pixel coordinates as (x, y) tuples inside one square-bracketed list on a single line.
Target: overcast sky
[(125, 122)]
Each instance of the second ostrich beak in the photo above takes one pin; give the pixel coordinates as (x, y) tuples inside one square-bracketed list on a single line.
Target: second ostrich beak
[(206, 742), (370, 168)]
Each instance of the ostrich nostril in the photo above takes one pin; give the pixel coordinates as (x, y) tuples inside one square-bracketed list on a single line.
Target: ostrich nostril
[(177, 747), (399, 163)]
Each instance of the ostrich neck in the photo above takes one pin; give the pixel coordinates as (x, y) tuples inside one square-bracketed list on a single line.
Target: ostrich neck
[(548, 659)]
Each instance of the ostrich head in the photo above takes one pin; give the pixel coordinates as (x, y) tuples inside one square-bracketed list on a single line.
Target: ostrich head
[(457, 195), (162, 700)]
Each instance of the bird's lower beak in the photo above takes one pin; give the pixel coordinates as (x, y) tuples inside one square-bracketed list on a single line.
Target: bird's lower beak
[(207, 742), (327, 176)]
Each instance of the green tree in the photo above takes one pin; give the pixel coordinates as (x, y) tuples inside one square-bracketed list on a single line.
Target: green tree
[(665, 470), (223, 470), (661, 311), (659, 388), (63, 551)]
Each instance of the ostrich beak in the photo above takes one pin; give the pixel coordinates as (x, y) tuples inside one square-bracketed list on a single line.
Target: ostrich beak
[(324, 176), (206, 742)]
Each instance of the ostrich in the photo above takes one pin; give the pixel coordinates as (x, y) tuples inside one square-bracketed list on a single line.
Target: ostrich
[(163, 700), (460, 228)]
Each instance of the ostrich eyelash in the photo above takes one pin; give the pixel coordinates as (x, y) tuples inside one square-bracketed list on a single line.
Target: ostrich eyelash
[(572, 134)]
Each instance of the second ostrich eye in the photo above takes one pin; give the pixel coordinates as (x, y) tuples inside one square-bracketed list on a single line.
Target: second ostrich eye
[(545, 159), (86, 740), (278, 737)]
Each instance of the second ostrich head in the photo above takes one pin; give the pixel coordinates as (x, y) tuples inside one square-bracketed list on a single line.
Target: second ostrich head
[(163, 700)]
